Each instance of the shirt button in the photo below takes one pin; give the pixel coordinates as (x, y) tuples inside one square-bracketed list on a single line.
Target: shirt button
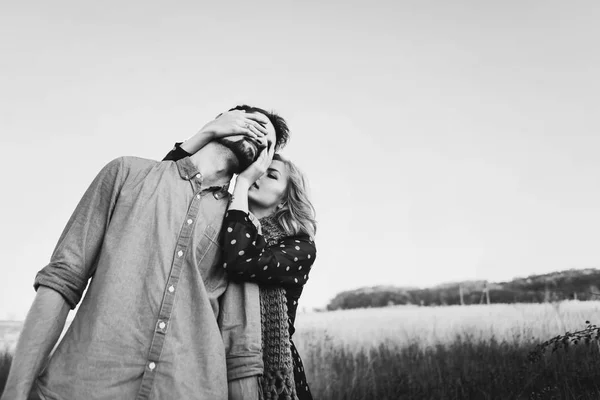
[(171, 289), (189, 221), (198, 176), (187, 177), (162, 325), (197, 196), (152, 366), (180, 253)]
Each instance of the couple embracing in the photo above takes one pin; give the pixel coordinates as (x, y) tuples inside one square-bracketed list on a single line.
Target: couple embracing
[(193, 290)]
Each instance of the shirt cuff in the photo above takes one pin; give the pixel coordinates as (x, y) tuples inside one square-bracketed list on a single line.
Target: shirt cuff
[(239, 367), (63, 281)]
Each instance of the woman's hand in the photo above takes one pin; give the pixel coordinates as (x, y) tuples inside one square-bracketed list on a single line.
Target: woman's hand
[(244, 180), (230, 123), (258, 167), (237, 122)]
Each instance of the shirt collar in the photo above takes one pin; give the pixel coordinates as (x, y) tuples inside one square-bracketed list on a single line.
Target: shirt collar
[(187, 169), (189, 172)]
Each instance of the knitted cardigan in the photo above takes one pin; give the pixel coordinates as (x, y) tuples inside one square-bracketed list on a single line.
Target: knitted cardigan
[(278, 378)]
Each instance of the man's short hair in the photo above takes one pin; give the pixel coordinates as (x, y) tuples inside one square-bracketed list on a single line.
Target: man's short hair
[(282, 132)]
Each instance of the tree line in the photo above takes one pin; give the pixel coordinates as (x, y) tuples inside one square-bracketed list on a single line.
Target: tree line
[(579, 284)]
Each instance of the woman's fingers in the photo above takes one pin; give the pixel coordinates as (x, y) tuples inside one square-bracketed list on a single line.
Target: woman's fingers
[(257, 125), (256, 134), (266, 155), (272, 150), (261, 157), (242, 128), (258, 117)]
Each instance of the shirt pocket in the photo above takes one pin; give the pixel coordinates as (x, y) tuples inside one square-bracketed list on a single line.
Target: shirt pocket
[(208, 258)]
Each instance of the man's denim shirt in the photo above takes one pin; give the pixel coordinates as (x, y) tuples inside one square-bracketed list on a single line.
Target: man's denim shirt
[(159, 319)]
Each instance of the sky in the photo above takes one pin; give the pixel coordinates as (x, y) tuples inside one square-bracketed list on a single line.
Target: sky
[(443, 141)]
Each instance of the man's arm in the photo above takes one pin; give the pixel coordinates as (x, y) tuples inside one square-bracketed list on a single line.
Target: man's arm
[(74, 259), (43, 326), (62, 282)]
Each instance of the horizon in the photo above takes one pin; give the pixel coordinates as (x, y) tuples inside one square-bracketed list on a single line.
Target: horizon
[(448, 283), (442, 141), (303, 310)]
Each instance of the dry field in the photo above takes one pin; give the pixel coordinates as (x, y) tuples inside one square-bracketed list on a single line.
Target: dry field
[(470, 352)]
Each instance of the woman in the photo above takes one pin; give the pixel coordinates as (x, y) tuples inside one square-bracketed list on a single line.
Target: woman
[(268, 239)]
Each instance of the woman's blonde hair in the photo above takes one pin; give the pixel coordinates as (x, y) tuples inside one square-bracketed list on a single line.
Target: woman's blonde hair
[(297, 215)]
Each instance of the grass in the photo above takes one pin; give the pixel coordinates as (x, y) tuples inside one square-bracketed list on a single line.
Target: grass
[(471, 352), (462, 369), (5, 360)]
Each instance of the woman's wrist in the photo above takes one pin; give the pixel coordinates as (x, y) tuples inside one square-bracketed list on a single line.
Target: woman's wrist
[(242, 185), (199, 140), (239, 200)]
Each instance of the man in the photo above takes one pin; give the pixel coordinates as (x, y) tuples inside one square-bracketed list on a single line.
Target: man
[(158, 319)]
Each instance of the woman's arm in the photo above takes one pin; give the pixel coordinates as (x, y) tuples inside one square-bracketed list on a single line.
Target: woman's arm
[(230, 123), (198, 141), (239, 200), (247, 257), (43, 326)]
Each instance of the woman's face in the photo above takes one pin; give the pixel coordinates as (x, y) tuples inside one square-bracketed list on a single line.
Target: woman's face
[(268, 191)]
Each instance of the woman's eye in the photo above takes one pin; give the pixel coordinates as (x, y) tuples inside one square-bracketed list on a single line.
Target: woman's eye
[(272, 176)]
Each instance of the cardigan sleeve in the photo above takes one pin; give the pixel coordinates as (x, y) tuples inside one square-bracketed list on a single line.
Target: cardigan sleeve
[(247, 257), (177, 153)]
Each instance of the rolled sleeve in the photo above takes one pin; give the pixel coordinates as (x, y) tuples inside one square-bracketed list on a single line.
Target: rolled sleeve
[(74, 259), (239, 321), (239, 367), (62, 279)]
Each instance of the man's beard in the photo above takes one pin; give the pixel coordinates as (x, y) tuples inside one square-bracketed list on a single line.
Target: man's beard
[(244, 152)]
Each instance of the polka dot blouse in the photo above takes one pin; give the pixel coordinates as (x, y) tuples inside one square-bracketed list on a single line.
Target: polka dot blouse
[(245, 253)]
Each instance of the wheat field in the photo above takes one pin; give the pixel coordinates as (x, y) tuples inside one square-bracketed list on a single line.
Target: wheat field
[(468, 352), (454, 352), (428, 326)]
